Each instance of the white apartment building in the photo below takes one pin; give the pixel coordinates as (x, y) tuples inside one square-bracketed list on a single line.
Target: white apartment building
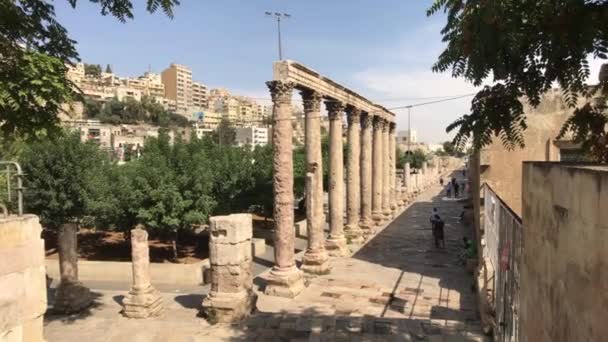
[(200, 130), (150, 84), (199, 95), (252, 136), (403, 136), (92, 130), (205, 118)]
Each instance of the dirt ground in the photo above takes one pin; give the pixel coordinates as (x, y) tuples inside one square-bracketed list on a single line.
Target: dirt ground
[(112, 246)]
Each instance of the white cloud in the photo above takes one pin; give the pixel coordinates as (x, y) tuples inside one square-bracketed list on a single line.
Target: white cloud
[(399, 86)]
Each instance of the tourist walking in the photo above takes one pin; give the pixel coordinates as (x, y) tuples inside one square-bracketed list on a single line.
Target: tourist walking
[(438, 233), (449, 190)]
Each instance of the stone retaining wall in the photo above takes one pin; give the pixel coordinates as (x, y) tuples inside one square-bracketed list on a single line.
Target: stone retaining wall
[(22, 280), (160, 273)]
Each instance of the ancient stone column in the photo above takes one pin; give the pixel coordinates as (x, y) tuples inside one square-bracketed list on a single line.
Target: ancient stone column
[(352, 231), (404, 193), (336, 242), (71, 296), (143, 300), (408, 179), (315, 259), (231, 298), (377, 172), (386, 197), (425, 174), (285, 279), (391, 160), (367, 225)]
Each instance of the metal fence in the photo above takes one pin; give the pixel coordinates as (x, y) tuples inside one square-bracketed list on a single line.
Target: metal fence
[(11, 195), (506, 250)]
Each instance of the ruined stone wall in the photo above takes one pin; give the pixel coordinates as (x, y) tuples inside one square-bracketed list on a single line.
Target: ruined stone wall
[(564, 276), (502, 168), (22, 279)]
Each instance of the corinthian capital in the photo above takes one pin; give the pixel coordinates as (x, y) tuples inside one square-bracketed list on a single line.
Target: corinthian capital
[(379, 123), (312, 100), (391, 127), (384, 125), (280, 91), (334, 109), (367, 120), (353, 115)]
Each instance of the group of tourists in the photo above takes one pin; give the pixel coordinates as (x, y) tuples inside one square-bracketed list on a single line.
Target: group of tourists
[(454, 187)]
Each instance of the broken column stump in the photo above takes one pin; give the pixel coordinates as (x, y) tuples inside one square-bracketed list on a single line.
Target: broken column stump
[(143, 300), (231, 298)]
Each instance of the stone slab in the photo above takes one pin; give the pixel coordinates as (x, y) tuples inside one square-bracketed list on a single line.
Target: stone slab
[(258, 246), (231, 229)]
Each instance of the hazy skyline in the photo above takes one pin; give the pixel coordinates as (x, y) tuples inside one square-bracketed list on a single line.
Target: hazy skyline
[(383, 52)]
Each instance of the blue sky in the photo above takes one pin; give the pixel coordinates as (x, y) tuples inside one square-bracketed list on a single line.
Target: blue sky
[(381, 49)]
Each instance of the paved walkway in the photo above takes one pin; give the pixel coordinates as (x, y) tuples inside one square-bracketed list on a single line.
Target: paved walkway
[(397, 287)]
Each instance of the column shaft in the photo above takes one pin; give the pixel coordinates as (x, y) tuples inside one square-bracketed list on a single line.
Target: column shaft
[(285, 279), (353, 191), (336, 243), (391, 159), (377, 172), (386, 205), (366, 174), (315, 258)]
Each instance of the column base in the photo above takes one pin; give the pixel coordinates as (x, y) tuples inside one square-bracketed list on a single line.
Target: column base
[(336, 246), (378, 218), (142, 303), (315, 262), (222, 307), (284, 282), (387, 212), (353, 234), (367, 228), (72, 297)]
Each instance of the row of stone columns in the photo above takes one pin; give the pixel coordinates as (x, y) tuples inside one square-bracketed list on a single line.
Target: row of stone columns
[(371, 187)]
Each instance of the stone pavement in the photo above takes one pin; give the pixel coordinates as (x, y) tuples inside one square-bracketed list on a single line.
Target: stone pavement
[(397, 287)]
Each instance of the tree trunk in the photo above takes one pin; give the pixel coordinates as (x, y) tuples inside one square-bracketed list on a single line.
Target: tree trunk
[(174, 247)]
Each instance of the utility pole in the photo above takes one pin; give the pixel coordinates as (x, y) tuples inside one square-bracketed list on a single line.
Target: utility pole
[(279, 16), (409, 130)]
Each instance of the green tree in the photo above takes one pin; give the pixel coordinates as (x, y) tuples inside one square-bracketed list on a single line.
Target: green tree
[(92, 109), (155, 112), (35, 49), (225, 134), (93, 70), (452, 150), (526, 47), (415, 158), (61, 177), (108, 69)]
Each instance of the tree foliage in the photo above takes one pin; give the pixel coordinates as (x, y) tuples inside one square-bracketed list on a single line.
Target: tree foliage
[(449, 149), (93, 70), (225, 133), (526, 47), (415, 158), (61, 174), (131, 111), (35, 49)]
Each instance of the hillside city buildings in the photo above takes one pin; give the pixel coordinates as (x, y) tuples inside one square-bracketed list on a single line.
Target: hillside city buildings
[(177, 92)]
